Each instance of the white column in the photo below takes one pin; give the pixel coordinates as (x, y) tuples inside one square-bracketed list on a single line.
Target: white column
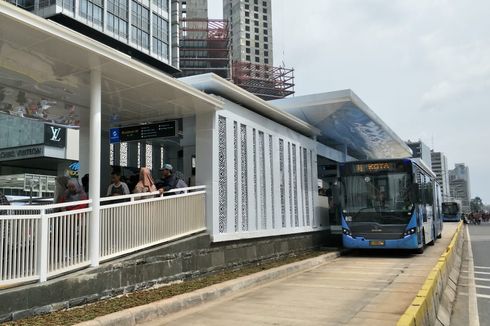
[(207, 166), (94, 166)]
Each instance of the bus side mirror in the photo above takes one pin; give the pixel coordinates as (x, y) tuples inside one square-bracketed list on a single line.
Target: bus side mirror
[(413, 193)]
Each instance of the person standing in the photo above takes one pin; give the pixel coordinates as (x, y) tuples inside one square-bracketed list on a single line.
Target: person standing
[(145, 183), (117, 187), (169, 180), (74, 193)]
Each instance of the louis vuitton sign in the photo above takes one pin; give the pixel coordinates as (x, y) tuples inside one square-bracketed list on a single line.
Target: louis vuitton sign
[(54, 136), (20, 153)]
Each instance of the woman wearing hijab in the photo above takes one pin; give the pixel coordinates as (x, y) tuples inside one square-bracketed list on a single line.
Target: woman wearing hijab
[(145, 183), (74, 192)]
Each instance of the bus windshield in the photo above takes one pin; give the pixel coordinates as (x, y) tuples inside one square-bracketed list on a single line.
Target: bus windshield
[(380, 193), (450, 208)]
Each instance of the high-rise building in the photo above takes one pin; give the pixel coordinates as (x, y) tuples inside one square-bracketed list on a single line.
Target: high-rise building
[(440, 168), (421, 150), (137, 28), (251, 50), (459, 183), (251, 26), (204, 44)]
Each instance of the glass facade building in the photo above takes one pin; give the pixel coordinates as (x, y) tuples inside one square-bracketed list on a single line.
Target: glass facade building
[(136, 24)]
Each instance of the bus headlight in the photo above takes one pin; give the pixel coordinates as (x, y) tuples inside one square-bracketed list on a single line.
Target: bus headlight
[(410, 232), (346, 232)]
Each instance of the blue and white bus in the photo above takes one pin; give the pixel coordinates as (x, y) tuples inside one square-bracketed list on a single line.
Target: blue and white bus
[(389, 204), (451, 211)]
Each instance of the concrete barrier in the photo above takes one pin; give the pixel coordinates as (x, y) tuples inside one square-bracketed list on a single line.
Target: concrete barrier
[(433, 303)]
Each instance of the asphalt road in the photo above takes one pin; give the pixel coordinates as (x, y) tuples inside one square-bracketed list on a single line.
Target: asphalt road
[(472, 305), (363, 288)]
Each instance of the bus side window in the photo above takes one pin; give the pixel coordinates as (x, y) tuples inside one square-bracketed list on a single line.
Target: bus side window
[(430, 193)]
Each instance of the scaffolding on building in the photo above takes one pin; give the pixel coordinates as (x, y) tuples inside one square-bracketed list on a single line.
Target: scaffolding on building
[(265, 81), (205, 47)]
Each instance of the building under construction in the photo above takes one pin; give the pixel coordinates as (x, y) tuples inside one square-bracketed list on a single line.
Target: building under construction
[(204, 47), (224, 47), (265, 81)]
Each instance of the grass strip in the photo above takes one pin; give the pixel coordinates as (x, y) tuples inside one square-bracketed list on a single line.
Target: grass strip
[(76, 315)]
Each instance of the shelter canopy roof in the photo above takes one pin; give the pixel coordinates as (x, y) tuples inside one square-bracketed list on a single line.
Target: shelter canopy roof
[(54, 62), (344, 119)]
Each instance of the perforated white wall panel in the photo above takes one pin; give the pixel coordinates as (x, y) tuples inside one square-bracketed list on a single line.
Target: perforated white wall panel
[(266, 177)]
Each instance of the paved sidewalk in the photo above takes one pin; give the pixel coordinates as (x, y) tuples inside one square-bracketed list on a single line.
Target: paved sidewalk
[(359, 289)]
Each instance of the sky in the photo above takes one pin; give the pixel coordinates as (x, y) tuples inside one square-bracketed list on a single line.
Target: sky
[(422, 65)]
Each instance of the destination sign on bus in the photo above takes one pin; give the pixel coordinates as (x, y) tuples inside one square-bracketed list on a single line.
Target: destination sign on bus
[(374, 167)]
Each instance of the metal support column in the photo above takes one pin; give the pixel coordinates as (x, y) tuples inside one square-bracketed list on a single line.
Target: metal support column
[(94, 167)]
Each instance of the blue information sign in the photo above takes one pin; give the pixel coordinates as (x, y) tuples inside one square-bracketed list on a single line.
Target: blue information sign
[(115, 135)]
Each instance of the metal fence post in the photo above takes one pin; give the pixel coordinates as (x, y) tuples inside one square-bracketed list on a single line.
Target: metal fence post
[(43, 247)]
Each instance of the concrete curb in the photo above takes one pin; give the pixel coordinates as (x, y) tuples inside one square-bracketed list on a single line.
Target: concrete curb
[(145, 313), (433, 303)]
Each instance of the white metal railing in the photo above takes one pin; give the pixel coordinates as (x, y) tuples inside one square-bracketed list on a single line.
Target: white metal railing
[(149, 219), (39, 242), (68, 241), (31, 237), (19, 248)]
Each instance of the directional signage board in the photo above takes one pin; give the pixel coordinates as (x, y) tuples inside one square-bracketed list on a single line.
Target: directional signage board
[(163, 129)]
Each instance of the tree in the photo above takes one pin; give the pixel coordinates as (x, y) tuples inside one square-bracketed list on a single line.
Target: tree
[(476, 204)]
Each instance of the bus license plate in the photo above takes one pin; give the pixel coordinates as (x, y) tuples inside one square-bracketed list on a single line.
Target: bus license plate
[(376, 243)]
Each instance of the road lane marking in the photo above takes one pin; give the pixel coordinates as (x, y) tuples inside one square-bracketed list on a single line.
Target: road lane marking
[(473, 301), (485, 273)]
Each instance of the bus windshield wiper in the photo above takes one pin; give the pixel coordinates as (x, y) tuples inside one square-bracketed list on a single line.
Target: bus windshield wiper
[(359, 211)]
